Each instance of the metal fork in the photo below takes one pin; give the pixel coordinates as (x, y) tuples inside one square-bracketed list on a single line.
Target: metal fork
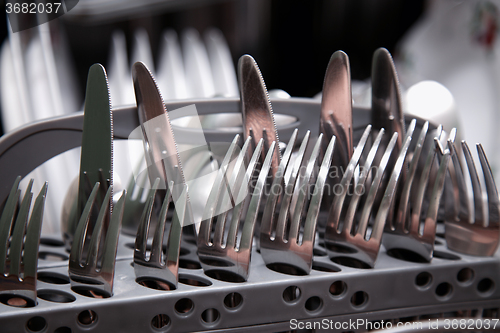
[(160, 271), (18, 264), (476, 234), (409, 231), (229, 260), (92, 266), (283, 247), (345, 241)]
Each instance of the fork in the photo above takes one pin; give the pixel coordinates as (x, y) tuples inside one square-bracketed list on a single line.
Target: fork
[(481, 236), (229, 260), (92, 266), (409, 232), (160, 271), (18, 267), (350, 244), (283, 247)]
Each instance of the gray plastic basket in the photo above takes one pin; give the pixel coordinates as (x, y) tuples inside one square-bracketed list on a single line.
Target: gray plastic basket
[(397, 290)]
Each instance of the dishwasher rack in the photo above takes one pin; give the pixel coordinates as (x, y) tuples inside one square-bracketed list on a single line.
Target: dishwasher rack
[(396, 290)]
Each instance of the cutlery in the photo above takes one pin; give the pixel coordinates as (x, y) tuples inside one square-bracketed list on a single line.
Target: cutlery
[(159, 271), (258, 119), (91, 268), (355, 244), (160, 148), (475, 233), (229, 259), (18, 259), (286, 244), (171, 74), (336, 109), (408, 232), (96, 153)]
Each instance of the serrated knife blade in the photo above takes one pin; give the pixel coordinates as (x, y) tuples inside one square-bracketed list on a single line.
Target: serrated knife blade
[(161, 149), (258, 119)]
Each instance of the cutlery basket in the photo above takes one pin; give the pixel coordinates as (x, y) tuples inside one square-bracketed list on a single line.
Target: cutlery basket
[(336, 296)]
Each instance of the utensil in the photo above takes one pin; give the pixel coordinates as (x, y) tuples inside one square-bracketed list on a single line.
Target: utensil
[(159, 271), (97, 149), (408, 232), (336, 109), (229, 259), (346, 242), (18, 259), (258, 119), (481, 236), (92, 267), (160, 148), (284, 247)]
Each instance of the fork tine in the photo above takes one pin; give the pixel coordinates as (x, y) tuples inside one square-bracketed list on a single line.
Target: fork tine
[(213, 201), (418, 201), (372, 193), (302, 192), (227, 201), (267, 223), (336, 209), (81, 229), (16, 244), (315, 204), (159, 234), (141, 239), (95, 239), (6, 221), (253, 208), (290, 174), (112, 234), (476, 186), (401, 221), (383, 211), (243, 192), (174, 236), (353, 204), (32, 241), (437, 191), (491, 189), (463, 200)]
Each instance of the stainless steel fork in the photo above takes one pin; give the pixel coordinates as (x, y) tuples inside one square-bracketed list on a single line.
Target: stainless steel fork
[(283, 246), (159, 270), (349, 243), (479, 233), (228, 260), (92, 263), (18, 263), (413, 230)]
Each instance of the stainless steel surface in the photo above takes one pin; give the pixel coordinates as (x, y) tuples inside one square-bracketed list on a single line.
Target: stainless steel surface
[(19, 259), (258, 119), (414, 228), (96, 161), (159, 270), (224, 256), (336, 109), (92, 263), (476, 234), (352, 243)]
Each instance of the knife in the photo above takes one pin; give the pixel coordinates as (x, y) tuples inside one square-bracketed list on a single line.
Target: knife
[(336, 108), (258, 119), (160, 147), (97, 146), (387, 110)]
